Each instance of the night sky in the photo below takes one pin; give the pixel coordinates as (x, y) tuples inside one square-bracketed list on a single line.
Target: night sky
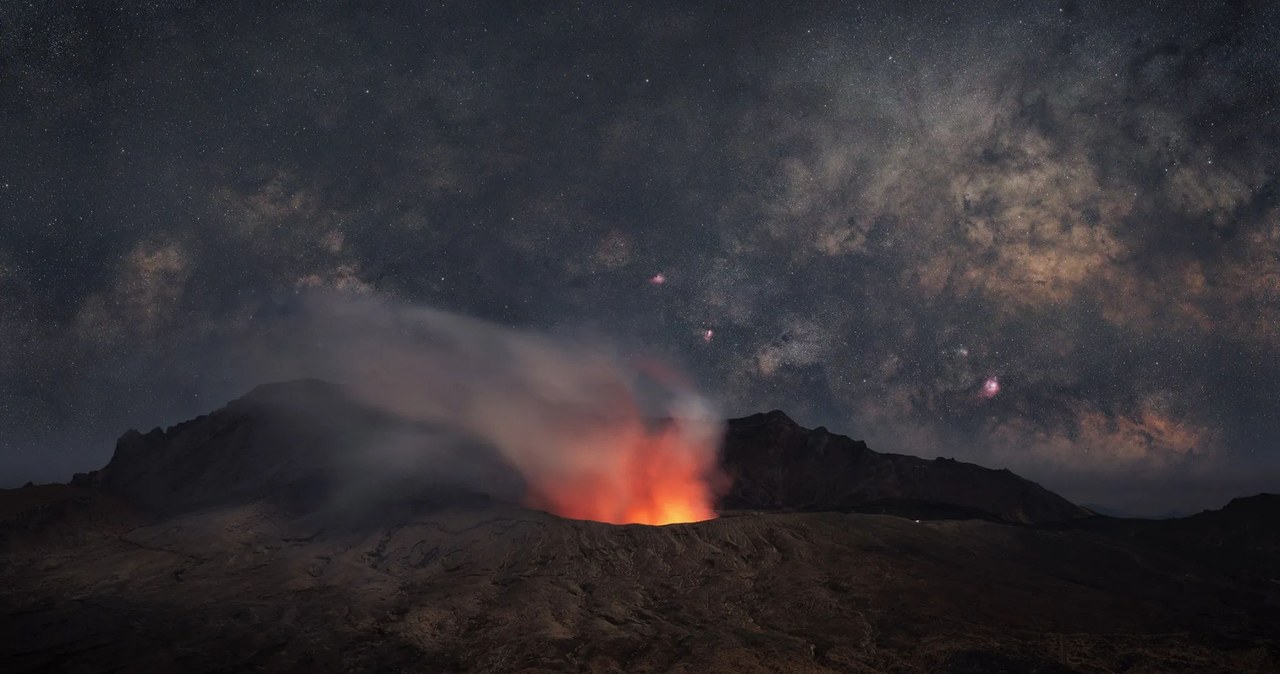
[(1035, 235)]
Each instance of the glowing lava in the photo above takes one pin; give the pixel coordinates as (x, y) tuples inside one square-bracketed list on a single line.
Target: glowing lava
[(641, 475)]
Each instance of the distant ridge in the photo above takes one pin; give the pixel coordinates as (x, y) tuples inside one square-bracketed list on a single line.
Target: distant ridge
[(774, 463), (1124, 514)]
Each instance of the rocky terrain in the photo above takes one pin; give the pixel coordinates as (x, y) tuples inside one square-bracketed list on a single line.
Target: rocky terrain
[(227, 544)]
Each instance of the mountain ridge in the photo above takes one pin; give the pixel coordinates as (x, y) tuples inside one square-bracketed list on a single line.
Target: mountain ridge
[(774, 462), (286, 435)]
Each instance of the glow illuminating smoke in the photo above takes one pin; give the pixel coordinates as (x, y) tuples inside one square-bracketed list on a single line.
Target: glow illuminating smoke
[(592, 437)]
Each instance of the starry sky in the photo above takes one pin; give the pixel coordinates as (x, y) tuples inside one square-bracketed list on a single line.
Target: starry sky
[(1043, 236)]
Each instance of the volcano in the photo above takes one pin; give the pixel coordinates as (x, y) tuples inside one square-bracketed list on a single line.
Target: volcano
[(299, 530)]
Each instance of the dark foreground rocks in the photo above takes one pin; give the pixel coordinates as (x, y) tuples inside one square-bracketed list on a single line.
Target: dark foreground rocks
[(89, 585)]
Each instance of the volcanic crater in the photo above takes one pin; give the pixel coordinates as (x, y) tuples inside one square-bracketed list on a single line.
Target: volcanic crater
[(256, 538)]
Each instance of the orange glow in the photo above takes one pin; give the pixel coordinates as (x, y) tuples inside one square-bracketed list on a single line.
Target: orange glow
[(634, 475)]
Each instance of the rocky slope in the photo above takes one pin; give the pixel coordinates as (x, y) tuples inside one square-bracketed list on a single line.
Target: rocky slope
[(91, 585)]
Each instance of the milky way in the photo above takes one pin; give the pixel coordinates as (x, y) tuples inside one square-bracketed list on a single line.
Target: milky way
[(1037, 235)]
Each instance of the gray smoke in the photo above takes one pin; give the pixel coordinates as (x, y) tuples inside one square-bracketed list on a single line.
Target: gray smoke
[(565, 413)]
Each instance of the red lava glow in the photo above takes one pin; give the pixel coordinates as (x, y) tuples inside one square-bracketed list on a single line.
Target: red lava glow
[(639, 475)]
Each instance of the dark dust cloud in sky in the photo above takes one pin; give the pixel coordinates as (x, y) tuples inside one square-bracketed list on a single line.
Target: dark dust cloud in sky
[(1037, 235)]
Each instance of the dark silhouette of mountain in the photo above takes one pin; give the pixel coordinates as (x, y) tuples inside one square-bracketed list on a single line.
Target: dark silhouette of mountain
[(234, 542), (1125, 514), (776, 464), (276, 436), (296, 443), (293, 437)]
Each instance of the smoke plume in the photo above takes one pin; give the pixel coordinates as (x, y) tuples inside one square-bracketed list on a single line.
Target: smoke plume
[(593, 435)]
